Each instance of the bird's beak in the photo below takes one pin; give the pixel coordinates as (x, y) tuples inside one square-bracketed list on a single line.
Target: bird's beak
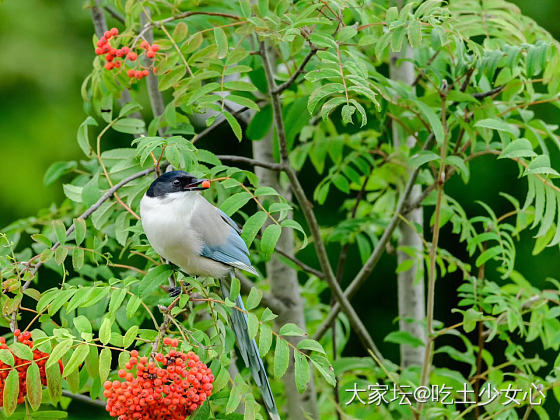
[(198, 185)]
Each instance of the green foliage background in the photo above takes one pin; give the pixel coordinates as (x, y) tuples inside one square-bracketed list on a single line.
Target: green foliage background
[(46, 52)]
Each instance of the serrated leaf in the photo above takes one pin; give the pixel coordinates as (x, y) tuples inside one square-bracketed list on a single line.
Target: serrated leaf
[(269, 239), (79, 230), (180, 32), (253, 325), (105, 358), (403, 337), (495, 124), (11, 391), (324, 368), (21, 351), (130, 336), (301, 371), (105, 330), (221, 42), (77, 358), (309, 344), (252, 227), (518, 148), (433, 120), (234, 124), (265, 339), (33, 386), (130, 126), (281, 358), (291, 329), (117, 298), (57, 170), (254, 298), (83, 140), (7, 357)]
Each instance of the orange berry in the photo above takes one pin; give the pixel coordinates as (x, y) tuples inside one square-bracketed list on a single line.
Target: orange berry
[(150, 54), (155, 47), (205, 184), (132, 56)]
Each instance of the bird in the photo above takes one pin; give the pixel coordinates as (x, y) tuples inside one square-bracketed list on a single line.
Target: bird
[(190, 232)]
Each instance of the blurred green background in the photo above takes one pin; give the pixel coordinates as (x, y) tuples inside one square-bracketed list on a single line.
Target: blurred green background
[(47, 52)]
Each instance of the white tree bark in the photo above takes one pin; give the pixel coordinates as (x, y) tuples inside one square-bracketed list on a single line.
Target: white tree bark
[(411, 290), (285, 287)]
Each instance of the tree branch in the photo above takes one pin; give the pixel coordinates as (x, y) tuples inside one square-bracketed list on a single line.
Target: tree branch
[(115, 14), (306, 207), (252, 162), (299, 70), (83, 398), (378, 251)]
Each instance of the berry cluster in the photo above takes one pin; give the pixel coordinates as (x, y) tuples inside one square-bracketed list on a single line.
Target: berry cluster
[(116, 57), (172, 387), (21, 365)]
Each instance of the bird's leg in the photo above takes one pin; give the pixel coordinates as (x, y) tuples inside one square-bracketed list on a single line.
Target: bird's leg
[(176, 289)]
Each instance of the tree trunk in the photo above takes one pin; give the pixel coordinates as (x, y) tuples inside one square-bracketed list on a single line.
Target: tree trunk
[(285, 287), (411, 282)]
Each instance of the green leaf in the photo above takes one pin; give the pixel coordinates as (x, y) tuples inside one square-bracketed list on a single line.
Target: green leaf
[(128, 109), (180, 32), (11, 391), (171, 78), (56, 170), (495, 124), (82, 324), (132, 306), (433, 120), (154, 279), (105, 358), (235, 202), (470, 318), (518, 148), (221, 42), (403, 337), (130, 336), (325, 369), (252, 226), (269, 239), (347, 112), (234, 289), (79, 230), (7, 357), (54, 381), (117, 298), (265, 339), (308, 344), (414, 34), (105, 330), (130, 126), (21, 351), (302, 371), (60, 231), (234, 124), (77, 358), (490, 253), (260, 124), (281, 358), (254, 298), (83, 140), (33, 385), (291, 329), (253, 325)]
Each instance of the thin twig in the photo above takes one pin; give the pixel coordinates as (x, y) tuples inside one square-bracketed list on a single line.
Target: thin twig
[(115, 14), (281, 88), (301, 264), (253, 162)]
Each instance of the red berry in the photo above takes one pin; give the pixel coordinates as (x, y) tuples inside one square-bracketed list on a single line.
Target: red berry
[(132, 56), (99, 51), (114, 31), (130, 73), (125, 50), (109, 65), (107, 35), (150, 54), (155, 47), (145, 45), (117, 64), (17, 332), (145, 73)]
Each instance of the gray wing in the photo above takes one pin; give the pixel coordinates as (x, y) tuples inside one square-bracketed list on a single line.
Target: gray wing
[(220, 237)]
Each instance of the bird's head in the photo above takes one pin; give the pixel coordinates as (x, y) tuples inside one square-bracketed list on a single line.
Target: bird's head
[(176, 182)]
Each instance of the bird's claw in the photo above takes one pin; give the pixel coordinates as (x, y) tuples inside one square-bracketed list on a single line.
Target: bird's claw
[(175, 291)]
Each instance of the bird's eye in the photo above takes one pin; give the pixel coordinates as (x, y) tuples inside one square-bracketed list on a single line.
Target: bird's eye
[(176, 183)]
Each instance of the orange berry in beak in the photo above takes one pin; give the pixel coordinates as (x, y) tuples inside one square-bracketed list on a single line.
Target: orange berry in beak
[(205, 184)]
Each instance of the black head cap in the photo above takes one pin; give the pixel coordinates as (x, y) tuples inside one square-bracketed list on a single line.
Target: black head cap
[(174, 181)]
